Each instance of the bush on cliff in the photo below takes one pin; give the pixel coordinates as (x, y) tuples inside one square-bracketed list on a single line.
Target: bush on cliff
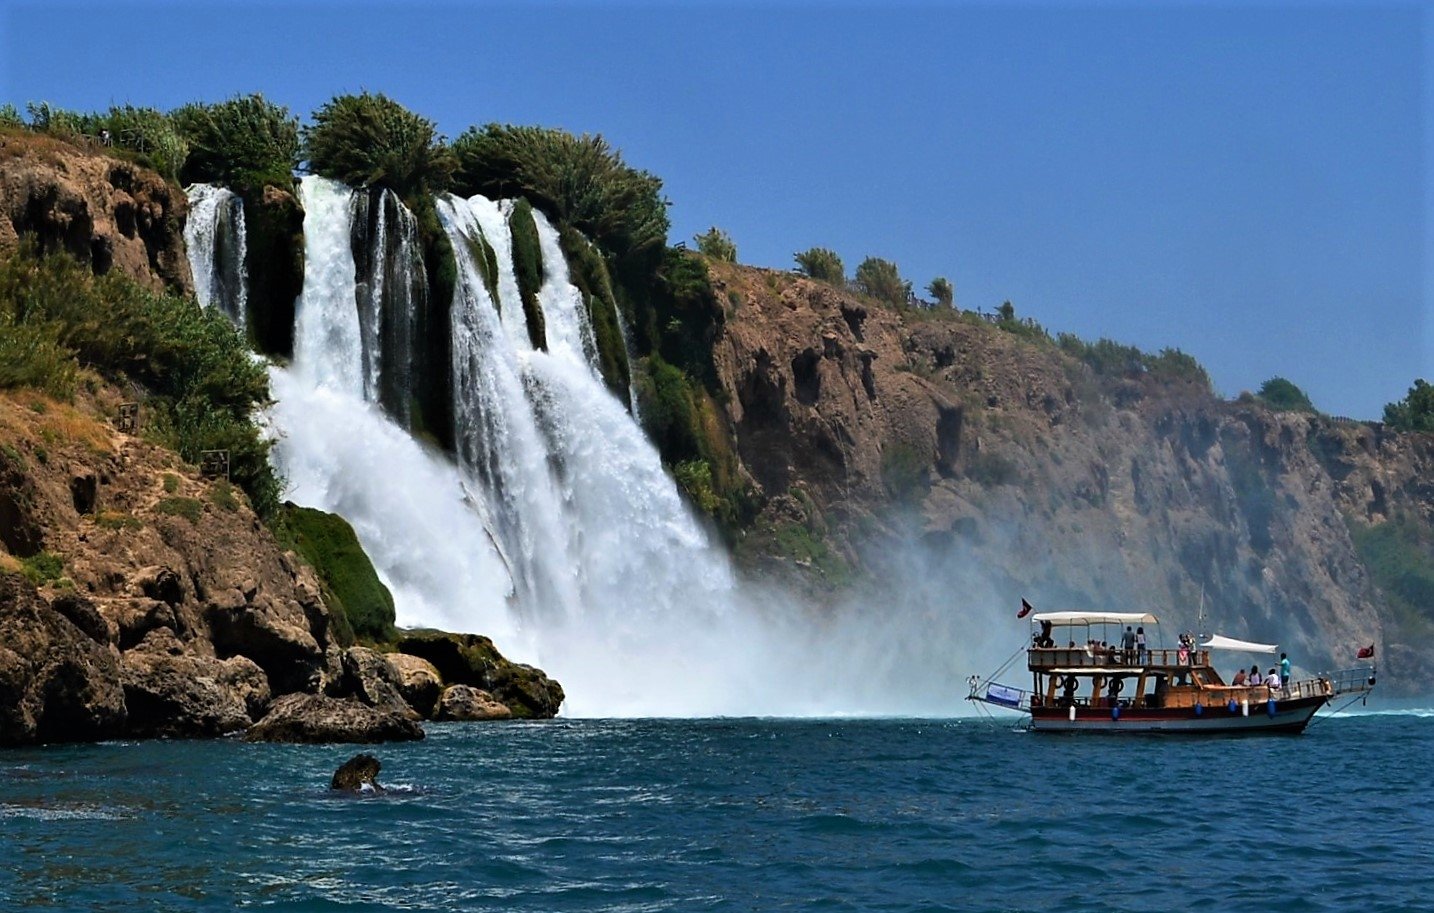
[(247, 141), (578, 180), (882, 280), (204, 387), (1415, 412), (362, 606), (717, 244), (822, 264), (1283, 396), (146, 132), (371, 140)]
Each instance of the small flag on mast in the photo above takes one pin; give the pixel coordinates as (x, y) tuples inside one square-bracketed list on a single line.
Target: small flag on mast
[(1366, 652), (1025, 609)]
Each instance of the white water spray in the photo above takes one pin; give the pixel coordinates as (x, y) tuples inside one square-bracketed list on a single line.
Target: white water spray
[(215, 241)]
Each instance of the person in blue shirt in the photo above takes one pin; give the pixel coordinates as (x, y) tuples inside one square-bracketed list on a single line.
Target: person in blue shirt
[(1285, 669)]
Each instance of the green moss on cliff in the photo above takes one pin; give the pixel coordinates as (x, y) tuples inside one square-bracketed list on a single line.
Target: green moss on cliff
[(528, 265), (362, 606), (589, 273)]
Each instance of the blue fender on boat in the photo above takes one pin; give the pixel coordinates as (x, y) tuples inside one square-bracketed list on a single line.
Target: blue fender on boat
[(1232, 706), (1199, 709), (1270, 706), (1115, 712)]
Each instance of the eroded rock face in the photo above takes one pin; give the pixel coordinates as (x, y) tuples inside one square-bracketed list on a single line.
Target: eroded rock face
[(471, 659), (316, 718), (57, 683), (465, 703), (418, 682), (370, 677), (102, 210), (172, 692)]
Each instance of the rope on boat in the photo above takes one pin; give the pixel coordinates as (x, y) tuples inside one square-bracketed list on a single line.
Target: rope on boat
[(1334, 713)]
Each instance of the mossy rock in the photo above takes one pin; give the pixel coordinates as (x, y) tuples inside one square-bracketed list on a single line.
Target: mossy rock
[(589, 273), (471, 659), (528, 265), (274, 237), (361, 605)]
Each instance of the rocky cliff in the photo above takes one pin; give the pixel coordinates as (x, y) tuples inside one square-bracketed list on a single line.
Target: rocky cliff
[(865, 425), (102, 210)]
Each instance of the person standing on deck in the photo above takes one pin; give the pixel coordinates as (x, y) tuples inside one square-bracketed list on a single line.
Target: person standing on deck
[(1127, 646), (1140, 645), (1285, 670)]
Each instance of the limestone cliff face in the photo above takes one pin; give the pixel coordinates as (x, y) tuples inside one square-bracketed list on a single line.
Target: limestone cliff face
[(1073, 490), (104, 211)]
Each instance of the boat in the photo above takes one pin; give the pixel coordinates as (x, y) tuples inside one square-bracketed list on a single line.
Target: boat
[(1095, 684)]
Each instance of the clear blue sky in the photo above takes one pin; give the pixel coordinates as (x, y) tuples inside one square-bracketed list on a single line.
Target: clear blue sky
[(1246, 182)]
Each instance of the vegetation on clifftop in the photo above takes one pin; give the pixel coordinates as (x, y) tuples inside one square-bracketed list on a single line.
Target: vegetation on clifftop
[(1415, 412), (370, 140), (57, 317), (243, 143)]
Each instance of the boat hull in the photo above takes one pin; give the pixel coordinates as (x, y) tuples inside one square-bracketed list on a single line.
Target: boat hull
[(1289, 716)]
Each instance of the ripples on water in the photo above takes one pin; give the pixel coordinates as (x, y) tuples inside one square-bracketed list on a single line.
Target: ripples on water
[(733, 815)]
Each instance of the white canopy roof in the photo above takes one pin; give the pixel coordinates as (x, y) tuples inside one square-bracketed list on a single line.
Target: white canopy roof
[(1221, 642), (1096, 618)]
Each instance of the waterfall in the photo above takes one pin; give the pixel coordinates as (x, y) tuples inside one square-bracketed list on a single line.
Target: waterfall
[(215, 242), (553, 527)]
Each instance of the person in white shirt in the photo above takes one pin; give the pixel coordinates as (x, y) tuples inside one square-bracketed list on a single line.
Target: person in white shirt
[(1272, 681), (1255, 678)]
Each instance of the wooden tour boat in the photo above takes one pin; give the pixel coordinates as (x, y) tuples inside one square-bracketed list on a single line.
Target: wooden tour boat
[(1083, 688)]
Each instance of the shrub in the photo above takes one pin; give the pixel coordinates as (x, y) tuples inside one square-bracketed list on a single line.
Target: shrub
[(204, 385), (42, 567), (882, 280), (246, 141), (821, 264), (10, 117), (1283, 396), (31, 355), (356, 596), (579, 180), (188, 508), (717, 244), (1415, 412), (373, 141), (145, 131), (528, 265), (941, 289)]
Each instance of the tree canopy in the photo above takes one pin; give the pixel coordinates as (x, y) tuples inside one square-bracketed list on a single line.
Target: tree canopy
[(882, 280), (1282, 395), (371, 140), (1415, 412), (821, 264)]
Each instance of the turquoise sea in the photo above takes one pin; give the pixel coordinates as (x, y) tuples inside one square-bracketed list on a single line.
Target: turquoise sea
[(741, 814)]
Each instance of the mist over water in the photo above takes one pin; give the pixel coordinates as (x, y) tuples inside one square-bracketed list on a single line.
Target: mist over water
[(556, 530)]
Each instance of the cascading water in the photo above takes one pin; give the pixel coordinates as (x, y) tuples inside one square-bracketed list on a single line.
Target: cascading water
[(557, 531), (214, 238)]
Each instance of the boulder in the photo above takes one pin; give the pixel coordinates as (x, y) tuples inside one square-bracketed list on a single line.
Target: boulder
[(358, 773), (172, 692), (370, 677), (317, 718), (83, 615), (275, 634), (418, 682), (471, 659), (159, 583), (57, 684), (466, 703)]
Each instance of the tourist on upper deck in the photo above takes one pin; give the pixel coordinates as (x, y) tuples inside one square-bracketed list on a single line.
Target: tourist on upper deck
[(1127, 646), (1255, 678), (1239, 680), (1140, 645)]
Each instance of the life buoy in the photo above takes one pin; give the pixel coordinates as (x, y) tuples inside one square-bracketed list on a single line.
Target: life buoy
[(1117, 686), (1071, 683)]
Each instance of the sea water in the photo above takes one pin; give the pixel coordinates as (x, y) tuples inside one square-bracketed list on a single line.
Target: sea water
[(734, 814)]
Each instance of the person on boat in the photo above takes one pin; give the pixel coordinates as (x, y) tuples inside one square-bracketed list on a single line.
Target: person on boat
[(1182, 656), (1255, 678), (1140, 645), (1239, 680), (1272, 681), (1285, 669), (1127, 646)]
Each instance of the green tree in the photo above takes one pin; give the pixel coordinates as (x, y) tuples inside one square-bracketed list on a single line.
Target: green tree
[(580, 180), (245, 141), (940, 289), (821, 264), (1283, 396), (371, 140), (882, 280), (1415, 412), (717, 244), (1006, 312)]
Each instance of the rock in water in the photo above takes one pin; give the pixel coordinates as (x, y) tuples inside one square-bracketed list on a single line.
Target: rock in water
[(318, 718), (357, 772), (464, 702)]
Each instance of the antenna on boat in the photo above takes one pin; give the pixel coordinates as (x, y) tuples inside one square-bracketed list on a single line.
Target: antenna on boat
[(1200, 621)]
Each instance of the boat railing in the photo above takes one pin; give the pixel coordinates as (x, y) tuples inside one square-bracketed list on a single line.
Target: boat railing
[(1041, 658), (1355, 680)]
